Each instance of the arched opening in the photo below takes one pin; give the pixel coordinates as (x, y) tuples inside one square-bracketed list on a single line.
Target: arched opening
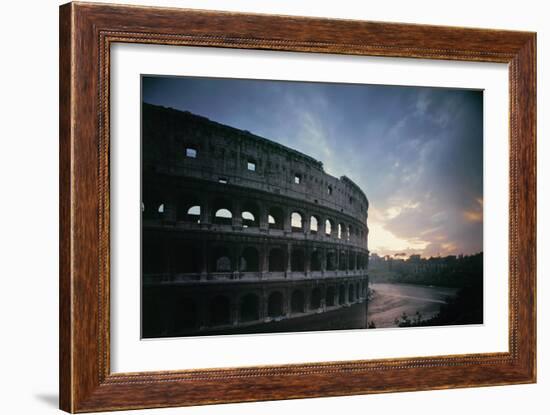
[(328, 227), (331, 261), (223, 217), (249, 309), (313, 225), (315, 301), (296, 222), (297, 301), (330, 296), (275, 218), (222, 209), (250, 215), (186, 314), (339, 231), (342, 294), (248, 219), (221, 260), (350, 232), (219, 310), (187, 257), (315, 260), (275, 304), (193, 214), (152, 206), (249, 261), (276, 260), (343, 261), (351, 296), (188, 208), (357, 291), (297, 262), (352, 261)]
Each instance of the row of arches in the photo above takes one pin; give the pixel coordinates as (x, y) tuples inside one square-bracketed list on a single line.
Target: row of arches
[(187, 257), (221, 310), (222, 211)]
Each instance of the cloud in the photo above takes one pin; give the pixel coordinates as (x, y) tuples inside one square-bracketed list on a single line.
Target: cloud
[(416, 152)]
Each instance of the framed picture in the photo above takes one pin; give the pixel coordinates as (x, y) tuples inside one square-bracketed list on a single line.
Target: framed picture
[(258, 207)]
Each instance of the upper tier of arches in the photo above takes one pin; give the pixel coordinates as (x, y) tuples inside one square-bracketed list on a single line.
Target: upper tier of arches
[(256, 215), (181, 144)]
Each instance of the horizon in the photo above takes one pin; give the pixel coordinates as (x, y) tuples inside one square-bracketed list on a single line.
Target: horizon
[(406, 257), (416, 152)]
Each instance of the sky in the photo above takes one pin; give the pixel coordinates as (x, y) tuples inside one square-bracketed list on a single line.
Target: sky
[(416, 152)]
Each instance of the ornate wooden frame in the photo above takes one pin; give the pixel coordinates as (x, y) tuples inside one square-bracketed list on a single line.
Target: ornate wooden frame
[(86, 33)]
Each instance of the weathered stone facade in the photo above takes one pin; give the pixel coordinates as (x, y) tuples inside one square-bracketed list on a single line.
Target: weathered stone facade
[(238, 230)]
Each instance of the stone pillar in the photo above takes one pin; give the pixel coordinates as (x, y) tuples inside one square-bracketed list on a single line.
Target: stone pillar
[(323, 258), (321, 227), (204, 260), (307, 258), (237, 220), (288, 259), (345, 263), (287, 227), (264, 305), (263, 222), (264, 259), (236, 251), (306, 223), (206, 214), (286, 302), (170, 209), (307, 299)]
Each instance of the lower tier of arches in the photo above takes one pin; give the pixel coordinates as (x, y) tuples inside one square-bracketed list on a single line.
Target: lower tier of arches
[(175, 310)]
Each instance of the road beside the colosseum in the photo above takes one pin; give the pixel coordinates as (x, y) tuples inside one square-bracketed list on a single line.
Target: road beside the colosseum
[(391, 300)]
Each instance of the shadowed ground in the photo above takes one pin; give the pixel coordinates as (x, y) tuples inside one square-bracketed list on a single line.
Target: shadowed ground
[(353, 317)]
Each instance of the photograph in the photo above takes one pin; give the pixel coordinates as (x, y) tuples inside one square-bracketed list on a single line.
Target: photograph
[(272, 206)]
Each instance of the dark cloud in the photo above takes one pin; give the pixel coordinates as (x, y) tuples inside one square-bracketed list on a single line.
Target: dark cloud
[(416, 152)]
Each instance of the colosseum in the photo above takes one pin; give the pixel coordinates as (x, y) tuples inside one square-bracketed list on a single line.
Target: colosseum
[(241, 234)]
